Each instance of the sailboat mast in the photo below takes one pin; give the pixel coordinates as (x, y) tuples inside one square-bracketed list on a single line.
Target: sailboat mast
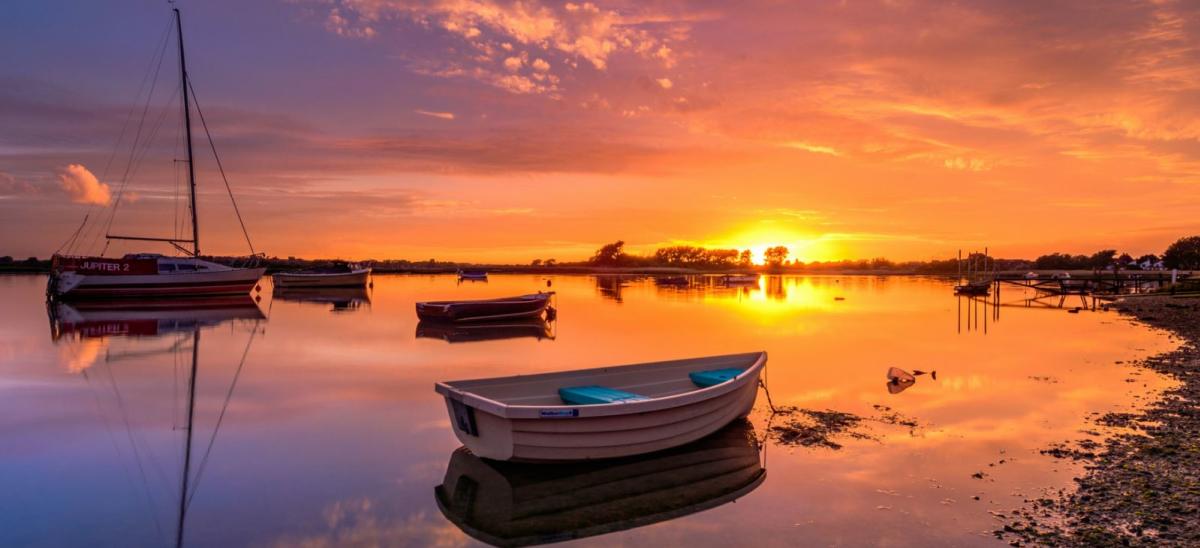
[(187, 125)]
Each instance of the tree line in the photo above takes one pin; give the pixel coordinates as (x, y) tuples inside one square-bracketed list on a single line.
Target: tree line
[(1184, 254)]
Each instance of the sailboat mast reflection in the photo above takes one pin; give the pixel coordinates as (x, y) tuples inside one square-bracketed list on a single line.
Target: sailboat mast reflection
[(187, 451), (145, 321)]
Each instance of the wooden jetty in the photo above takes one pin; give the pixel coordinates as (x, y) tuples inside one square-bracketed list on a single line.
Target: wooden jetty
[(1088, 282)]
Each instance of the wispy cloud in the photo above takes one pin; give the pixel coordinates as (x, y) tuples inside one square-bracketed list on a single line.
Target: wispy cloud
[(434, 114), (808, 147)]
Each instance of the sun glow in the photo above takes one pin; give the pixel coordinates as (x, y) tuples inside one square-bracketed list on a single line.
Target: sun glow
[(800, 246)]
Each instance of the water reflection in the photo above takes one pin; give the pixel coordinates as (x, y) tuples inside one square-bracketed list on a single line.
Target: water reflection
[(536, 328), (340, 299), (84, 329), (610, 287), (333, 435), (146, 318), (975, 311), (515, 504)]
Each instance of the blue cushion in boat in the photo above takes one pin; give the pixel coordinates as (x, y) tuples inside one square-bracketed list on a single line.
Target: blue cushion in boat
[(705, 379), (590, 395)]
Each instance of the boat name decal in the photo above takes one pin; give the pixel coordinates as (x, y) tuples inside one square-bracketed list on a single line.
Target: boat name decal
[(111, 267), (559, 413)]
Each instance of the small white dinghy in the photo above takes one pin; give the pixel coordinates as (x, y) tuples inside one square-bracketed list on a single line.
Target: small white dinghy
[(604, 412), (341, 274)]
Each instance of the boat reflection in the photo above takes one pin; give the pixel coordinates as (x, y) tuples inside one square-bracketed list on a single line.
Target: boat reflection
[(141, 324), (340, 299), (146, 317), (537, 328), (521, 504)]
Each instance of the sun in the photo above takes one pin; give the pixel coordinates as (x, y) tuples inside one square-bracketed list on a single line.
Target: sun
[(801, 247)]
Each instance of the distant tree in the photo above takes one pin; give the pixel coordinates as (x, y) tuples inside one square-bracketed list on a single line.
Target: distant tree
[(746, 258), (1148, 258), (1062, 261), (1184, 254), (550, 262), (880, 263), (536, 262), (609, 254), (775, 256), (1103, 258), (1125, 259), (31, 260), (721, 258), (6, 259)]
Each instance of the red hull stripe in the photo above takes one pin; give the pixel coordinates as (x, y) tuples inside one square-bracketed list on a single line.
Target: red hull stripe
[(159, 289), (246, 283)]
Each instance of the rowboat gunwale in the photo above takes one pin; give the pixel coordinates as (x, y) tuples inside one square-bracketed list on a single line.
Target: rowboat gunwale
[(319, 275), (521, 299), (484, 310), (535, 412)]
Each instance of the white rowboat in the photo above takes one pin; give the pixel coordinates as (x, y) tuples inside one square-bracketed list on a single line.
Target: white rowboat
[(351, 278), (638, 408)]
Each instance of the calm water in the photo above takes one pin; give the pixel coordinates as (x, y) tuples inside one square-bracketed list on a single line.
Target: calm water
[(316, 423)]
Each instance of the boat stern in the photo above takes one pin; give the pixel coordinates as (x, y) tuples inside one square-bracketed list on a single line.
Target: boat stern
[(486, 435)]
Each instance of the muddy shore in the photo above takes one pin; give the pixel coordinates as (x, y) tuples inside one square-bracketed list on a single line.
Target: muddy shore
[(1140, 488)]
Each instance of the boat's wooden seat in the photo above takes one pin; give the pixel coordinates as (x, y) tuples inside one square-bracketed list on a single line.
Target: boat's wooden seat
[(592, 395), (705, 379)]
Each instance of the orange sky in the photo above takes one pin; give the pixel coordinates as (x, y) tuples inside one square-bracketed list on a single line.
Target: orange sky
[(500, 131)]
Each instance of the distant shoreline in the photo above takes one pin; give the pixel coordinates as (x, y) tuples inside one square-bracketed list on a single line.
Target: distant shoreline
[(43, 267)]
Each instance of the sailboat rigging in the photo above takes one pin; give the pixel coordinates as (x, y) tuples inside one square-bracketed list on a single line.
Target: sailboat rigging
[(154, 275)]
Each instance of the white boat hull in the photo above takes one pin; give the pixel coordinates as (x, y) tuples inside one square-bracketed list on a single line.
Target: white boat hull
[(233, 281), (564, 432), (357, 278)]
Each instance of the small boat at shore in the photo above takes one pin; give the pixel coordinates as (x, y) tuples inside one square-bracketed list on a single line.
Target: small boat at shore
[(604, 412), (976, 288), (521, 504), (740, 279), (524, 306), (340, 274), (473, 275)]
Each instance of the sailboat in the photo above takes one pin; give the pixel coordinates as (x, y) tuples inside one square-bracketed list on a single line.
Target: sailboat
[(152, 275)]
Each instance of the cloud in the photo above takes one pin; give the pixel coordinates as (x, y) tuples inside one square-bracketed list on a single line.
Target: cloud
[(576, 33), (343, 27), (818, 149), (11, 186), (966, 164), (82, 186), (442, 115), (665, 83)]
